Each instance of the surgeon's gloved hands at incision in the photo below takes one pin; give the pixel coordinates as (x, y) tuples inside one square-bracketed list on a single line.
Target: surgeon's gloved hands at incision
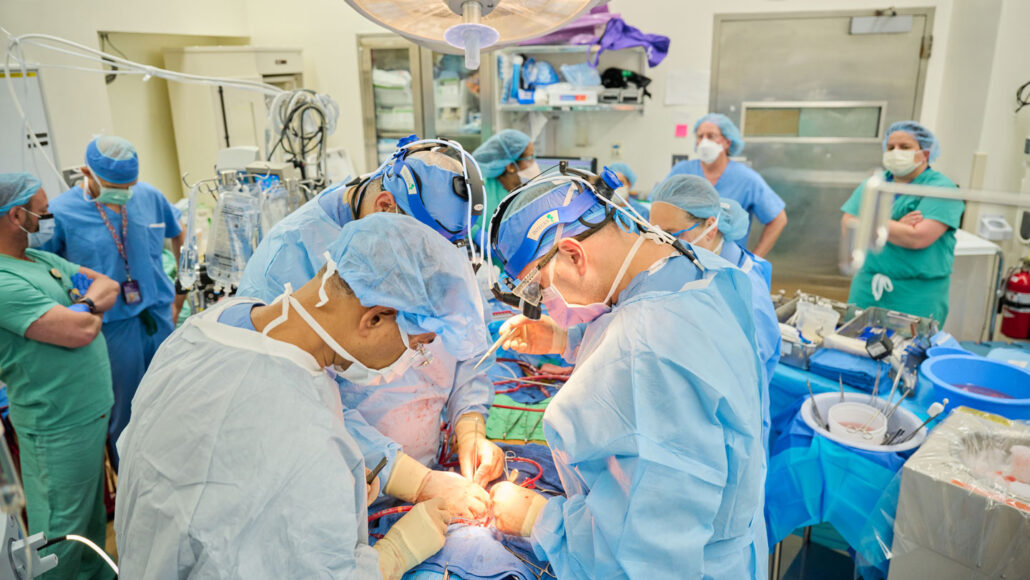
[(415, 537), (542, 336), (480, 459), (515, 508), (413, 482)]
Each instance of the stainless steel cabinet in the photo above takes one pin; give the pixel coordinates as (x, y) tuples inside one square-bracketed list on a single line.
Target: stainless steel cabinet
[(409, 89)]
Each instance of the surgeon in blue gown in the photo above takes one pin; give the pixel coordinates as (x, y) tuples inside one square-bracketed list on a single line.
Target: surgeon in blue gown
[(717, 139), (404, 411), (689, 207), (657, 435), (117, 225)]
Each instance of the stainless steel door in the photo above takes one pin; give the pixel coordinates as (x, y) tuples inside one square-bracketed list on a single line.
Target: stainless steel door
[(816, 99)]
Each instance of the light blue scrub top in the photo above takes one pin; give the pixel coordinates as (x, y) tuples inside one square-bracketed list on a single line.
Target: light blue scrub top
[(293, 252), (657, 435), (81, 237), (767, 326), (743, 185)]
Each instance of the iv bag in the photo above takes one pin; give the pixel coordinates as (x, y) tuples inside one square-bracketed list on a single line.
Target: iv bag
[(236, 229)]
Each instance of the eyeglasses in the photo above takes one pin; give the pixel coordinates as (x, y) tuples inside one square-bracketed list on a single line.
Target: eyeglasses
[(44, 216)]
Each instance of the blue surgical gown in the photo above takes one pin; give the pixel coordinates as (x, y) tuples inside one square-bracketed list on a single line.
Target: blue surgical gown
[(743, 185), (767, 326), (237, 464), (407, 411), (657, 435), (81, 237)]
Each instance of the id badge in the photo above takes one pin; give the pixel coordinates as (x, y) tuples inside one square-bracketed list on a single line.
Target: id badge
[(130, 292)]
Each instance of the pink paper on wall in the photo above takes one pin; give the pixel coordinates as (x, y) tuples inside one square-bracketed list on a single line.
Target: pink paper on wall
[(681, 131)]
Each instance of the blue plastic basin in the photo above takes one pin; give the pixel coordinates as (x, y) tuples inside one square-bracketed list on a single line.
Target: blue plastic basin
[(942, 373), (945, 350)]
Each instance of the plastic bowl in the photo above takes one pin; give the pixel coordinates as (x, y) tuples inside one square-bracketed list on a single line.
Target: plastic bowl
[(945, 350), (903, 419), (857, 423), (943, 373)]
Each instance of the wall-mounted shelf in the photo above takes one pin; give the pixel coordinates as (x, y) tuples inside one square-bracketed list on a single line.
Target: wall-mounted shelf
[(570, 108)]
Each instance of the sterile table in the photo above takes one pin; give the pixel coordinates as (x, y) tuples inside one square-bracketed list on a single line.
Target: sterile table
[(813, 480)]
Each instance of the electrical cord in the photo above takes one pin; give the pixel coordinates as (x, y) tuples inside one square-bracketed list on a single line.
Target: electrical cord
[(82, 540)]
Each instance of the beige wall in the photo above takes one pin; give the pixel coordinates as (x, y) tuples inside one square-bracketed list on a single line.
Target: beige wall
[(140, 111), (78, 101), (326, 30)]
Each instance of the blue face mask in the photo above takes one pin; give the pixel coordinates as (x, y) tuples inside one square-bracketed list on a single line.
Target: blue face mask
[(43, 232)]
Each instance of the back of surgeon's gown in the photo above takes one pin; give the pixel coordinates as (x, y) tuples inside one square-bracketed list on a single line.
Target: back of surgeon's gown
[(236, 464)]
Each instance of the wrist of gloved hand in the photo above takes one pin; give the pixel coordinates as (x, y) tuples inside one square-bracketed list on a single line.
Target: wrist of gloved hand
[(415, 537), (406, 479), (516, 508), (469, 426)]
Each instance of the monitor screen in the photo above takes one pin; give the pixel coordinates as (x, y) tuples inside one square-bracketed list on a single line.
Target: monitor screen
[(581, 163)]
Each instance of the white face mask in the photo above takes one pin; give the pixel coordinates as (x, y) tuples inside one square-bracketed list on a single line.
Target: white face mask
[(708, 151), (530, 172), (357, 372), (901, 162)]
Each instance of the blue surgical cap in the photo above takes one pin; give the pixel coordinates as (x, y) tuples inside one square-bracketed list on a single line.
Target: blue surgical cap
[(393, 260), (448, 213), (728, 129), (498, 151), (927, 140), (533, 217), (625, 170), (696, 196), (113, 159), (16, 189)]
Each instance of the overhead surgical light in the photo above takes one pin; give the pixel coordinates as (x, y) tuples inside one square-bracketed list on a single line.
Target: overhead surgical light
[(469, 26)]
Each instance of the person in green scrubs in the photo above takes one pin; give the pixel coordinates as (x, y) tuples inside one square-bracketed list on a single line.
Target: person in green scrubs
[(913, 272), (53, 360), (507, 160)]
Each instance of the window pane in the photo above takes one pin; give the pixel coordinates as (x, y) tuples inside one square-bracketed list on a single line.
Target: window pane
[(772, 122), (854, 122)]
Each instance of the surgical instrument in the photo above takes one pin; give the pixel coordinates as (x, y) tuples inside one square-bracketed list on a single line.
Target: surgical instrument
[(532, 429), (876, 384), (840, 381), (934, 411), (375, 471), (815, 407), (496, 345), (894, 409)]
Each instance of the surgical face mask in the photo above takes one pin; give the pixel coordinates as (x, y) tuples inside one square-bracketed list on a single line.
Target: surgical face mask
[(568, 315), (708, 151), (530, 172), (113, 195), (44, 230), (900, 162)]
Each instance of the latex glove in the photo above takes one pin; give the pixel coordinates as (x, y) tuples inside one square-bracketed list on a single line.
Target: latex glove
[(371, 489), (912, 218), (413, 482), (550, 369), (515, 508), (542, 336), (80, 285), (415, 537), (79, 308), (481, 460)]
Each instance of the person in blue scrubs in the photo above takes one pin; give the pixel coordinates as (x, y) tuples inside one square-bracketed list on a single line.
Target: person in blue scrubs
[(718, 139), (688, 207), (117, 225), (628, 178), (657, 435), (507, 160), (404, 412)]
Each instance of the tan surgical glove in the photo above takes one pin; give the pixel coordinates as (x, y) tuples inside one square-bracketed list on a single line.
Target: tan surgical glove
[(516, 508), (481, 461), (542, 336), (413, 482), (415, 537)]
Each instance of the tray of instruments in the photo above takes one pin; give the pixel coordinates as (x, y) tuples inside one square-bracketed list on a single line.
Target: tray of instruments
[(902, 325), (795, 351)]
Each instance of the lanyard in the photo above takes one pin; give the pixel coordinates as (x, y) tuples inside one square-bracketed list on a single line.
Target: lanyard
[(119, 242)]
